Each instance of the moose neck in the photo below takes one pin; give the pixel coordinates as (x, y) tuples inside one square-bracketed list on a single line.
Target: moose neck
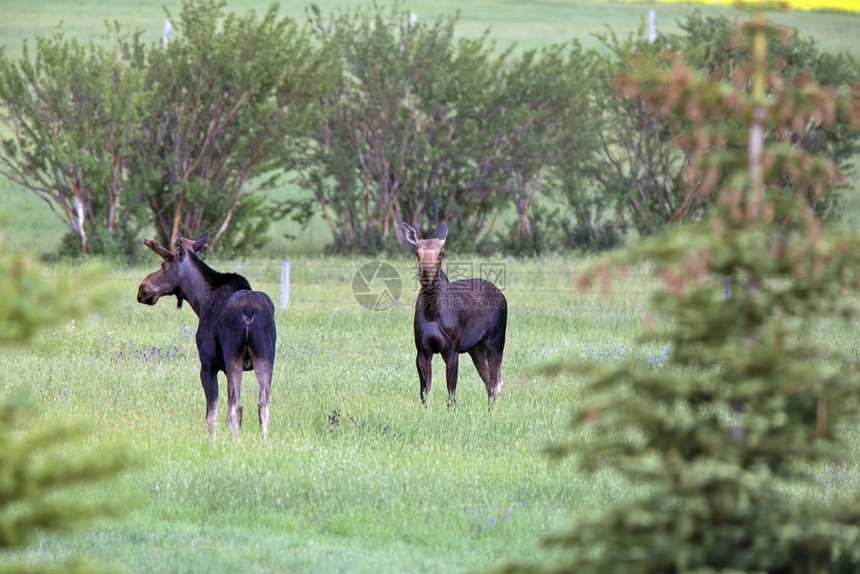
[(439, 283), (430, 296), (195, 284)]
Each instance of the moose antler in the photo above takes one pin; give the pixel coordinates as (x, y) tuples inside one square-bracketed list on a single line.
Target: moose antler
[(157, 247)]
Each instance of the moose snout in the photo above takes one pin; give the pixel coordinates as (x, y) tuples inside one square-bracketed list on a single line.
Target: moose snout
[(426, 273), (144, 297)]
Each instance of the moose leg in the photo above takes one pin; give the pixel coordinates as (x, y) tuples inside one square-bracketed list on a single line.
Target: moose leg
[(452, 362), (209, 379), (494, 358), (479, 357), (424, 362), (233, 370), (263, 372)]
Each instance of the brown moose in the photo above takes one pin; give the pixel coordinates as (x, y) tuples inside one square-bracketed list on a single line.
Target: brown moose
[(453, 317)]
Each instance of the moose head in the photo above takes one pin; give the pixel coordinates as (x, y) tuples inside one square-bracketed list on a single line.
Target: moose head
[(428, 252), (166, 281)]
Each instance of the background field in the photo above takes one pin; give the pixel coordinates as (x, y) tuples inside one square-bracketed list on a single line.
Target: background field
[(528, 24), (356, 475)]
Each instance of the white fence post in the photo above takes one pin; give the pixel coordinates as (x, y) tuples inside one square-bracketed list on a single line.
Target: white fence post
[(285, 284), (652, 26), (166, 35)]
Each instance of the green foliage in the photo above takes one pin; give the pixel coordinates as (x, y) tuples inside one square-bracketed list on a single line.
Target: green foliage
[(228, 101), (629, 177), (620, 174), (556, 154), (37, 464), (393, 123), (116, 135), (568, 164), (31, 303), (383, 120), (709, 46), (425, 126), (70, 119), (752, 402)]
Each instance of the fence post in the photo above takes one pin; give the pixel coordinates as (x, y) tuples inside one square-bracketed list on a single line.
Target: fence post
[(166, 35), (652, 26), (285, 284)]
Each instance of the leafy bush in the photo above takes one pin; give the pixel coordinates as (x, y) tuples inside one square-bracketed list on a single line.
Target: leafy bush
[(228, 101), (117, 136), (70, 119), (639, 179), (425, 127)]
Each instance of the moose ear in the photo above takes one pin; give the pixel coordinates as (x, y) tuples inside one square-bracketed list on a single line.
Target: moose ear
[(181, 246), (196, 247), (409, 233), (200, 243), (443, 232), (157, 248)]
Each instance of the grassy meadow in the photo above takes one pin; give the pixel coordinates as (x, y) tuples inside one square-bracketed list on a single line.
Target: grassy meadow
[(356, 476)]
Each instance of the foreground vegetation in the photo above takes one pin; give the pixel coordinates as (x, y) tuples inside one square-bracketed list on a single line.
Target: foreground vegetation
[(753, 402)]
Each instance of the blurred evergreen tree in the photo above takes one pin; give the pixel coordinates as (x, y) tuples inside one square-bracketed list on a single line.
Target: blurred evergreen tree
[(40, 460), (750, 403)]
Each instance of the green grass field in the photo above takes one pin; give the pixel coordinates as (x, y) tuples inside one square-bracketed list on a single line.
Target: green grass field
[(530, 23), (357, 476)]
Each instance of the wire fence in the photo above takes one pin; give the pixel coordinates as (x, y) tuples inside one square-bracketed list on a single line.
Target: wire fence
[(332, 283)]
